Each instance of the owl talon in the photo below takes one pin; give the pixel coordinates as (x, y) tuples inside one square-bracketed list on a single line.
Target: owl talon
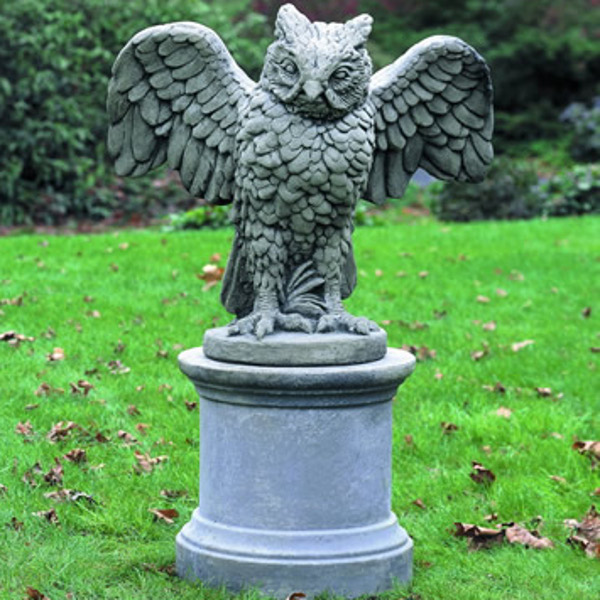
[(261, 324), (346, 322)]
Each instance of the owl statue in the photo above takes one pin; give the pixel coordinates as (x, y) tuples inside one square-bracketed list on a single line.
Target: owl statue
[(296, 151)]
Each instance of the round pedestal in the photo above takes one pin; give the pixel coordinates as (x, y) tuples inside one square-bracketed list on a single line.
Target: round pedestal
[(295, 478)]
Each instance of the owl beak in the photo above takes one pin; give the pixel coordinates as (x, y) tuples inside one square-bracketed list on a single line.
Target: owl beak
[(313, 89)]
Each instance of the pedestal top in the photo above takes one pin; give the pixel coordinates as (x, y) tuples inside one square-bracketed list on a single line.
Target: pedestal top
[(298, 386), (295, 348)]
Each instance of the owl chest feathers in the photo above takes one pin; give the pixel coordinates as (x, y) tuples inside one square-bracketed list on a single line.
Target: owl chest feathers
[(301, 172)]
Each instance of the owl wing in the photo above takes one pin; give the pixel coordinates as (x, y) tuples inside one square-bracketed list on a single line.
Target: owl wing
[(433, 109), (175, 96)]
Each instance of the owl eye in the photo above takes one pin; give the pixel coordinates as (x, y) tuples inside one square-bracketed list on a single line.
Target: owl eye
[(341, 74), (289, 66)]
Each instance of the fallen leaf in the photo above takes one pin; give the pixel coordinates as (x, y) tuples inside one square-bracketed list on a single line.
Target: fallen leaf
[(438, 375), (116, 367), (162, 353), (422, 352), (423, 274), (15, 524), (25, 429), (517, 346), (3, 490), (49, 515), (56, 355), (516, 276), (30, 475), (77, 455), (558, 479), (378, 272), (124, 246), (497, 387), (34, 594), (586, 312), (502, 293), (418, 502), (191, 405), (66, 495), (586, 532), (515, 534), (94, 314), (504, 412), (141, 428), (61, 430), (55, 475), (133, 410), (482, 299), (408, 440), (146, 463), (479, 537), (480, 474), (296, 596), (88, 299), (489, 326), (172, 494), (84, 385), (591, 449), (169, 569), (168, 515), (215, 258), (491, 517), (211, 275), (126, 437), (448, 428), (101, 438), (596, 492)]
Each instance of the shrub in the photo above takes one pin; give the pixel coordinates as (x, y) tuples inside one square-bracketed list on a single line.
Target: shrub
[(202, 217), (56, 57), (508, 192), (575, 192), (585, 121)]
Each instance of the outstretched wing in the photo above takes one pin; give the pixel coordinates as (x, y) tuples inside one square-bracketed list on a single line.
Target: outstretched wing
[(175, 96), (433, 109)]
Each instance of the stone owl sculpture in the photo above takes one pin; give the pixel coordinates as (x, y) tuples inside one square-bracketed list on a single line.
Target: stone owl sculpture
[(295, 151)]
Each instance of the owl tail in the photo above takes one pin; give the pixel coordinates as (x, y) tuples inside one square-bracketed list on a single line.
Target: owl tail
[(237, 293)]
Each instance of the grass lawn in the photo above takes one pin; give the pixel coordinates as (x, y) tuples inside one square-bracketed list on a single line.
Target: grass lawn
[(133, 297)]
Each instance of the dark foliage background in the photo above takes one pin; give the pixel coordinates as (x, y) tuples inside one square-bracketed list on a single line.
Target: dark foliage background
[(55, 59)]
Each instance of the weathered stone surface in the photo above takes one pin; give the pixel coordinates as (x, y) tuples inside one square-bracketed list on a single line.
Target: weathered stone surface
[(316, 125), (295, 478)]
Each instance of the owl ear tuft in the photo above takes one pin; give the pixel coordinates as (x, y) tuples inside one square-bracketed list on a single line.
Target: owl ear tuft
[(290, 22), (360, 27)]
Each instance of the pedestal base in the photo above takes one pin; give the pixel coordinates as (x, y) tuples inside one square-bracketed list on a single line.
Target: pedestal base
[(295, 478)]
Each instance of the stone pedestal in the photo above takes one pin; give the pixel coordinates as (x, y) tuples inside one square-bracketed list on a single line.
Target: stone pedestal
[(295, 478)]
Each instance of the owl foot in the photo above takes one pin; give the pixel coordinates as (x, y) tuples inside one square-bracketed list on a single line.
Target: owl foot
[(343, 321), (263, 323)]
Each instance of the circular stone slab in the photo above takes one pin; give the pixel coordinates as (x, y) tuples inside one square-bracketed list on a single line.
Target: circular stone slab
[(295, 349)]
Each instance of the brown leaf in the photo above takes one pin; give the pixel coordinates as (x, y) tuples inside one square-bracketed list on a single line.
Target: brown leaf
[(481, 475), (61, 430), (591, 449), (3, 490), (34, 594), (544, 392), (502, 293), (211, 274), (49, 515), (422, 353), (168, 515), (517, 346), (423, 274), (491, 517), (15, 524), (408, 440), (296, 596), (66, 495), (24, 428), (56, 355), (191, 406), (558, 479), (215, 258), (146, 463), (55, 475), (586, 312), (587, 532), (489, 326), (482, 299), (116, 367), (126, 437), (30, 475), (515, 534), (477, 355), (133, 410), (84, 385), (448, 428), (142, 427), (418, 502), (479, 537), (504, 412), (172, 494), (169, 569), (101, 438), (77, 455)]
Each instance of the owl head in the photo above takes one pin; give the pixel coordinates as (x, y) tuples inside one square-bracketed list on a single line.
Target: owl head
[(320, 70)]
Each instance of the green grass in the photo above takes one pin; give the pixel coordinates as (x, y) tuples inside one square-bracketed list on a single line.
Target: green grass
[(154, 301)]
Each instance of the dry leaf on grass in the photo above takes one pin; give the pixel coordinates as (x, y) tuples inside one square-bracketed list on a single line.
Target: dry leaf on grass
[(515, 534), (211, 275), (169, 569), (33, 594), (558, 479), (544, 392), (418, 502), (421, 352), (497, 387), (479, 537), (142, 427), (133, 410), (191, 406), (66, 495), (168, 515), (586, 533), (504, 412), (482, 299), (480, 474), (146, 463), (586, 312), (127, 438), (24, 428), (61, 430), (489, 326), (172, 494), (15, 524), (448, 428), (56, 355), (30, 475), (296, 596), (55, 475), (517, 346), (591, 449), (49, 515), (77, 455)]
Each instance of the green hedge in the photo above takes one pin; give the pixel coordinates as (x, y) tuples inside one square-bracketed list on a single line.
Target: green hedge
[(56, 57)]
